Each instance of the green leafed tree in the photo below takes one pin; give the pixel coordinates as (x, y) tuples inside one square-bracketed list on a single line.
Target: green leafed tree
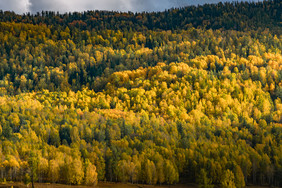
[(203, 180)]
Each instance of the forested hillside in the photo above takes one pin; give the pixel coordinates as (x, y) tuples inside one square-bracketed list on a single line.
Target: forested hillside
[(237, 15), (190, 95)]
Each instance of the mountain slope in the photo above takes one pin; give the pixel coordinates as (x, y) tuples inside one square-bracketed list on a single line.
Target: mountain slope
[(143, 98)]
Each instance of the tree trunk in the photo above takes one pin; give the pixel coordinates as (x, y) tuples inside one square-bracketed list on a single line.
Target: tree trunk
[(32, 181)]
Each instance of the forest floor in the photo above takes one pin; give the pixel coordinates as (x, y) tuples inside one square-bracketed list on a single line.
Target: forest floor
[(120, 185), (102, 185)]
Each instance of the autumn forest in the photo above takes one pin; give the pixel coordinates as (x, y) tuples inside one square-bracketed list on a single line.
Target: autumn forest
[(188, 95)]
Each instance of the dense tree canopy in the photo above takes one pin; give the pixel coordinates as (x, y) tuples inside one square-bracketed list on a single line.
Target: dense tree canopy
[(235, 15), (186, 95)]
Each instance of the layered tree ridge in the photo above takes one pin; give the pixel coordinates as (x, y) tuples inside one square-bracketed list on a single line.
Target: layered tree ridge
[(188, 95)]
